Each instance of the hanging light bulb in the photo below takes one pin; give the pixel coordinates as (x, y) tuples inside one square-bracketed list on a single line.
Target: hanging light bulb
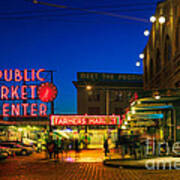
[(146, 32), (162, 19), (141, 56), (152, 19), (138, 63)]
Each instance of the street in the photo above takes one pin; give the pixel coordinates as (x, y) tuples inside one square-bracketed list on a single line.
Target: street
[(73, 168)]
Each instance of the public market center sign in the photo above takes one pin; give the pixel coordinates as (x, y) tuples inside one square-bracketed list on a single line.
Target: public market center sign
[(19, 90)]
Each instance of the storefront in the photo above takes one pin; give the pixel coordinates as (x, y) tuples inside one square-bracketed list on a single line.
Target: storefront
[(154, 117), (90, 130)]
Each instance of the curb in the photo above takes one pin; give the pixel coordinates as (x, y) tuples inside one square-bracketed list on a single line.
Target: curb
[(109, 164)]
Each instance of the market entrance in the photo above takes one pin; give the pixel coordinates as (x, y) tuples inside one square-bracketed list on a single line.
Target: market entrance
[(90, 130)]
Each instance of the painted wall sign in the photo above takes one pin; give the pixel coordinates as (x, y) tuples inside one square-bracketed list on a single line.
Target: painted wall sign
[(18, 87), (86, 76), (63, 120)]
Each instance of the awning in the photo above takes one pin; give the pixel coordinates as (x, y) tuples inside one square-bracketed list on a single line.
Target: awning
[(146, 116)]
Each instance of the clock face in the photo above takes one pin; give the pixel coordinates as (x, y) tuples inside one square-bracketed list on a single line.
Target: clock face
[(47, 92)]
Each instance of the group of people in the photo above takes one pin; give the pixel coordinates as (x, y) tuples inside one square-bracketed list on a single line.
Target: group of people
[(57, 146), (54, 147)]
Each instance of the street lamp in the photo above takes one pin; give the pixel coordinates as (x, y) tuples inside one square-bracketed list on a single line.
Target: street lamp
[(138, 63), (152, 19), (162, 19), (146, 32), (141, 56)]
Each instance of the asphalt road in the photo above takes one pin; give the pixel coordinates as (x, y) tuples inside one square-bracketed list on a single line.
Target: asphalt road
[(35, 167)]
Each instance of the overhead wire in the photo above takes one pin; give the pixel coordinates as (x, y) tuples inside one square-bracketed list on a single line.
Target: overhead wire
[(24, 14), (90, 11)]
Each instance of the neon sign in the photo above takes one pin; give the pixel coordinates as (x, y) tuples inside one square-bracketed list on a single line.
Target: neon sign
[(74, 120), (24, 91), (47, 92)]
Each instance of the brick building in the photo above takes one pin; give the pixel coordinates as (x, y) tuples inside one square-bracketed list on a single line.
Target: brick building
[(106, 93)]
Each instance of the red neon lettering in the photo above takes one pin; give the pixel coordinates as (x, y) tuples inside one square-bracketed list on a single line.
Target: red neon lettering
[(42, 110), (5, 111), (17, 75), (33, 87), (33, 74), (83, 120), (4, 92), (26, 75), (33, 109), (6, 78), (38, 75), (15, 109), (24, 92), (1, 74), (25, 106), (14, 92)]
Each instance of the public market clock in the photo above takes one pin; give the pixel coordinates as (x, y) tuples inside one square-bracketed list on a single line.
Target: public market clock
[(47, 92)]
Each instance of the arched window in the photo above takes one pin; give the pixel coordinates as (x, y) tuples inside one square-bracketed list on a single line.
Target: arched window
[(151, 66), (178, 36), (167, 50), (158, 61)]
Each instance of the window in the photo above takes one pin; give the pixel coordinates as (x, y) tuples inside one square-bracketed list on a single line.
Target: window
[(119, 111), (178, 35), (158, 61), (151, 66), (118, 95), (93, 110), (167, 50), (94, 96)]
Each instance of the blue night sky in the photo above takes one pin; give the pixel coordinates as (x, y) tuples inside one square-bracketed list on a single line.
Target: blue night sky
[(70, 40)]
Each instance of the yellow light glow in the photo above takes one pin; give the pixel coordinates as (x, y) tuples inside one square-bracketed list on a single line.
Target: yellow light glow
[(123, 127), (139, 102), (88, 87), (20, 129), (133, 111), (157, 97)]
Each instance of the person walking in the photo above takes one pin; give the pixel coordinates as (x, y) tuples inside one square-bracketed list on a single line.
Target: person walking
[(50, 147), (62, 148), (76, 145), (106, 147), (56, 148)]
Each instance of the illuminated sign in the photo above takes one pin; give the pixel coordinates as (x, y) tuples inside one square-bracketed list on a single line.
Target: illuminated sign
[(63, 120), (47, 92), (21, 90)]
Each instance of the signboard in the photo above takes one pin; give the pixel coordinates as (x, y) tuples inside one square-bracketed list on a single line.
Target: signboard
[(20, 90), (75, 120), (85, 76)]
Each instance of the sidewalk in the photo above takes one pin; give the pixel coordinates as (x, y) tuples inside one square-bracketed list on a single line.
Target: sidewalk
[(90, 155), (149, 163)]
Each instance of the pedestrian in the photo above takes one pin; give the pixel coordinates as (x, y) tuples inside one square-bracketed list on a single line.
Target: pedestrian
[(62, 148), (66, 147), (56, 148), (106, 147), (50, 147), (76, 143)]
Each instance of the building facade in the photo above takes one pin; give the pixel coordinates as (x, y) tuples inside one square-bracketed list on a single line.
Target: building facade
[(106, 93), (162, 52)]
